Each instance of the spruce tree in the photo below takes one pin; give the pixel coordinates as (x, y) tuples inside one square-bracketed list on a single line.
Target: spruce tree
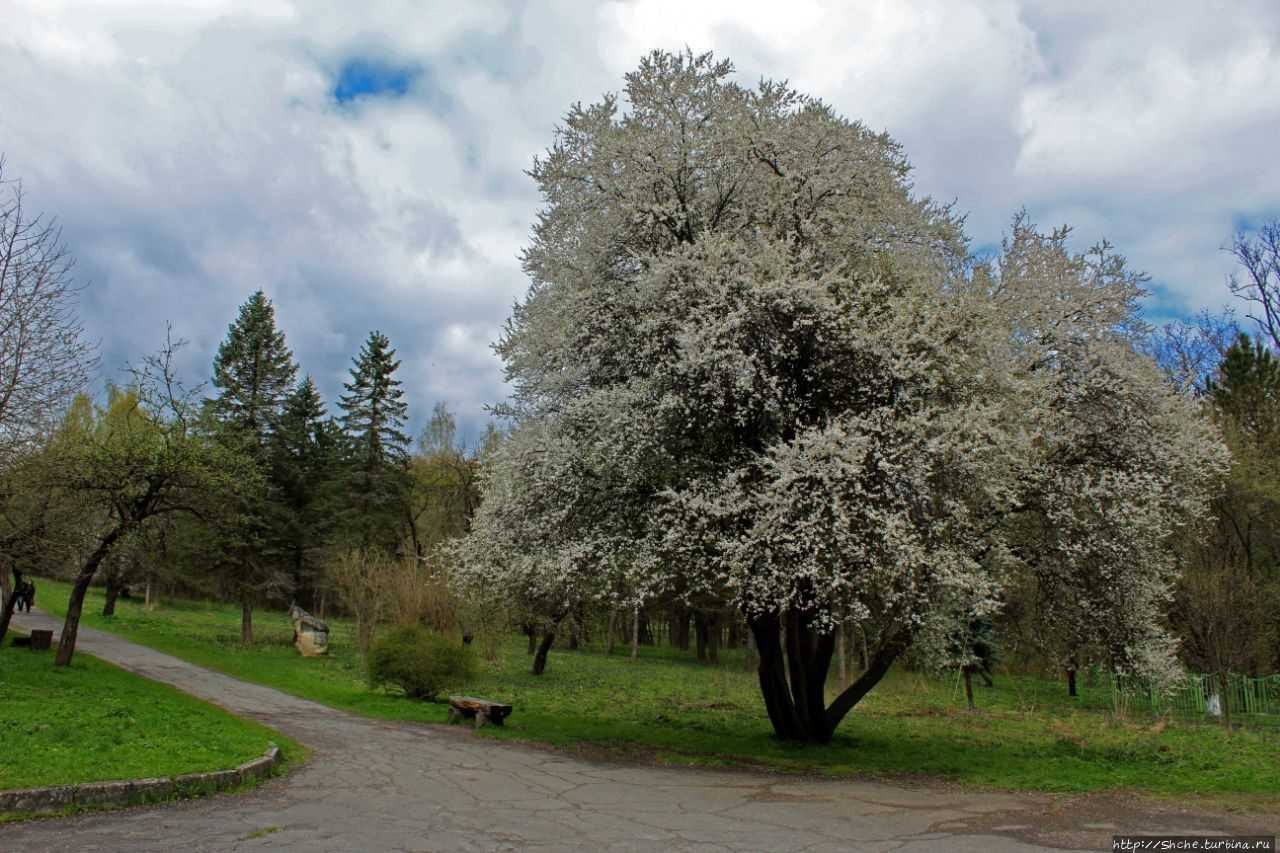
[(305, 448), (976, 647), (373, 413), (253, 372), (1247, 389), (1227, 607)]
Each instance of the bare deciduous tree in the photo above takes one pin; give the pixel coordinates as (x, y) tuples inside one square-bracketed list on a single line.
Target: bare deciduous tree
[(1190, 351), (1260, 283), (44, 359)]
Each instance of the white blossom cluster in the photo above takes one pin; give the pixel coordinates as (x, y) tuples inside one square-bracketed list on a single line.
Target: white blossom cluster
[(751, 365)]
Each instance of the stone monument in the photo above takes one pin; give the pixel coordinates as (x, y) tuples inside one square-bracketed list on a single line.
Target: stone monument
[(310, 635)]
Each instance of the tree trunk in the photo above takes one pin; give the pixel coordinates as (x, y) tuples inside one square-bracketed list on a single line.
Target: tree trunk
[(700, 635), (793, 682), (364, 632), (113, 592), (862, 649), (773, 679), (635, 634), (75, 604), (418, 550), (246, 620), (146, 596), (876, 668), (540, 659), (751, 650), (968, 688), (713, 638), (5, 589), (1071, 683), (680, 632), (10, 601), (573, 636), (842, 665), (608, 632), (529, 632)]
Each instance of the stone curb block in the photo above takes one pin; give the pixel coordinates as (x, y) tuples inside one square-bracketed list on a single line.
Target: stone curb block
[(132, 792), (260, 767), (37, 800)]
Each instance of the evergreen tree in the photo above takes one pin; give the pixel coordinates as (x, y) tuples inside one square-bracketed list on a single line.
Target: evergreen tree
[(978, 652), (254, 373), (373, 413), (1247, 390), (1227, 607), (305, 446)]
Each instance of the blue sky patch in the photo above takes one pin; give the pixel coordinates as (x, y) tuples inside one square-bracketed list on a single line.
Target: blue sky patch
[(367, 78)]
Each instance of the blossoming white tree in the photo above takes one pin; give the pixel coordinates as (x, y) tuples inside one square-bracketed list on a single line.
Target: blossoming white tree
[(751, 364)]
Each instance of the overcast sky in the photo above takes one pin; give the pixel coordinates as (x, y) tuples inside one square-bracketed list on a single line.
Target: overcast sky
[(363, 162)]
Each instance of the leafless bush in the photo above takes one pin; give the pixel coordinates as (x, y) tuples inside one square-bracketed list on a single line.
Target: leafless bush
[(420, 595), (378, 589)]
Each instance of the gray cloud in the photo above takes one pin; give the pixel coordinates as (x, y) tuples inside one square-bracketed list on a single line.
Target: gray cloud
[(196, 153)]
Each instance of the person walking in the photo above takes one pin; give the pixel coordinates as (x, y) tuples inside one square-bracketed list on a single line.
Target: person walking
[(26, 593)]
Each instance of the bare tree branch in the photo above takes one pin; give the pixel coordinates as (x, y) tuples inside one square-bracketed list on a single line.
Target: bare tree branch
[(1260, 284), (44, 359)]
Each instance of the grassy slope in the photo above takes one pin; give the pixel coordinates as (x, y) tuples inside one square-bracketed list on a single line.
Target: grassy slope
[(1026, 735), (92, 722)]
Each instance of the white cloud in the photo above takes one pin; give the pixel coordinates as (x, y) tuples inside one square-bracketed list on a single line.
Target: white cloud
[(193, 151)]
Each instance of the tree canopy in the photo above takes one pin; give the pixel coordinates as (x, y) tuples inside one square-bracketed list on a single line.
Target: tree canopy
[(373, 414), (752, 365), (253, 372), (135, 459)]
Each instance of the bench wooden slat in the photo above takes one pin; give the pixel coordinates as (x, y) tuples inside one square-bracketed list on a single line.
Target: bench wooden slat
[(483, 710), (470, 703)]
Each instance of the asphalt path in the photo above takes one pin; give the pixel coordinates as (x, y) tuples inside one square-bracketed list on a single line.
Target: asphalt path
[(373, 785)]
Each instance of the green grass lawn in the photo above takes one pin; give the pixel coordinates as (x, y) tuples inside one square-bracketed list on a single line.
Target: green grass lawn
[(667, 707), (92, 722)]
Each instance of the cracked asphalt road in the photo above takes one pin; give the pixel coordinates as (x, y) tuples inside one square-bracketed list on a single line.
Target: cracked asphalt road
[(373, 785)]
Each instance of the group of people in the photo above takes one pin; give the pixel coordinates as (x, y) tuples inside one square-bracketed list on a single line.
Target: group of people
[(26, 596)]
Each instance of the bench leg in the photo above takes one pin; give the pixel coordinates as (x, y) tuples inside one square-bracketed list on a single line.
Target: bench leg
[(454, 716), (481, 718)]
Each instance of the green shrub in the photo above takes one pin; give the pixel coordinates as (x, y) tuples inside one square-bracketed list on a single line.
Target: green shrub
[(418, 662)]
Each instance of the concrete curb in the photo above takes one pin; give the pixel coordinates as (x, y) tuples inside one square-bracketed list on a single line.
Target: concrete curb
[(133, 792)]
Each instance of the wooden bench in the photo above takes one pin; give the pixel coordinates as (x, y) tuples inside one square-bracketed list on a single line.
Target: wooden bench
[(482, 710)]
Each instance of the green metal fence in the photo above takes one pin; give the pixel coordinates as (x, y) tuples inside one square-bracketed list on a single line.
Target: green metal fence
[(1255, 698)]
